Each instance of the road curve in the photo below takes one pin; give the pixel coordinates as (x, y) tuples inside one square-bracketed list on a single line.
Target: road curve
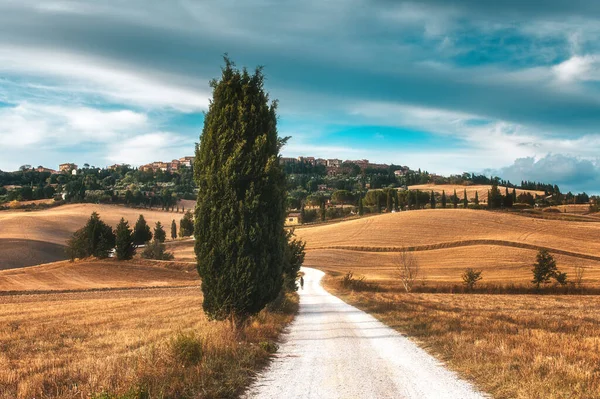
[(334, 350)]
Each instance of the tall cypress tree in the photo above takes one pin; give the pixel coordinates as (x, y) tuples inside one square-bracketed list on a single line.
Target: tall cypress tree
[(388, 202), (141, 231), (160, 234), (173, 230), (455, 200), (465, 199), (240, 239), (514, 196), (432, 200), (476, 198), (443, 198), (361, 210), (124, 247)]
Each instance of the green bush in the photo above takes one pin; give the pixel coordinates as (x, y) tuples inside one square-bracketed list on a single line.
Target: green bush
[(187, 349)]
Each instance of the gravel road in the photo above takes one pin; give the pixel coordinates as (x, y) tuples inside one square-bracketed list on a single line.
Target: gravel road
[(334, 350)]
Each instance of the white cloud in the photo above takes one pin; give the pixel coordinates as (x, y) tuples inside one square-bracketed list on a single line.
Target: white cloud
[(76, 74), (577, 68), (150, 147)]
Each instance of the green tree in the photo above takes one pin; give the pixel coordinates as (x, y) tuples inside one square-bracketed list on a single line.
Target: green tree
[(322, 209), (361, 210), (156, 250), (294, 257), (124, 247), (545, 269), (173, 230), (240, 212), (444, 199), (432, 201), (159, 232), (455, 200), (465, 199), (96, 238), (388, 201), (476, 200), (470, 277), (141, 232), (514, 196), (186, 225)]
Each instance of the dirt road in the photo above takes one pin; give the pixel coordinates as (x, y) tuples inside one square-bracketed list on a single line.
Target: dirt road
[(333, 350)]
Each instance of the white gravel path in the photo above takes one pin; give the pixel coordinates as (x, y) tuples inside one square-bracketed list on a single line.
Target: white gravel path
[(334, 350)]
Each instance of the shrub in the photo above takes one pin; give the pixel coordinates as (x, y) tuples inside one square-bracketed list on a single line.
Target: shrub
[(187, 349), (350, 282), (156, 250), (470, 277)]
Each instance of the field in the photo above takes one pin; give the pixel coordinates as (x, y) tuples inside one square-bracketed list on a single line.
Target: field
[(97, 274), (31, 238), (114, 335), (512, 346), (482, 190)]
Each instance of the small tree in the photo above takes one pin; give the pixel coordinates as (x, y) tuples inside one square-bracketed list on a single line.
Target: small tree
[(470, 277), (96, 238), (432, 200), (444, 199), (407, 269), (124, 247), (141, 231), (455, 200), (545, 268), (159, 233), (186, 225), (579, 272), (322, 210), (361, 210), (465, 199), (173, 230), (476, 200), (388, 202), (156, 250), (294, 257)]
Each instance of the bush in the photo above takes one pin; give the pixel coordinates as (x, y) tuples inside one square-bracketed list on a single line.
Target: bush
[(156, 250), (350, 282), (470, 277), (187, 349)]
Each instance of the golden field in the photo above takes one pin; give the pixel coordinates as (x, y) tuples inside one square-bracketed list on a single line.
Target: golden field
[(98, 274), (35, 237), (127, 344), (511, 346), (481, 189)]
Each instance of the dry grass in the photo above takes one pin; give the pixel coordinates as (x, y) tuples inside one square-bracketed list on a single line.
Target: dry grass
[(56, 225), (127, 344), (98, 274), (482, 190), (499, 265), (519, 346), (436, 226)]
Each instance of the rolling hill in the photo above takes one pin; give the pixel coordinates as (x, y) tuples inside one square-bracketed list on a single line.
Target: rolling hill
[(481, 190)]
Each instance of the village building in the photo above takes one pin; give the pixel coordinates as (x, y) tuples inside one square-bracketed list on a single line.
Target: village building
[(293, 219), (67, 167)]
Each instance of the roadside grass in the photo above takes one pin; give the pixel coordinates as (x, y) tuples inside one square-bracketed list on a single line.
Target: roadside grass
[(511, 346), (131, 344)]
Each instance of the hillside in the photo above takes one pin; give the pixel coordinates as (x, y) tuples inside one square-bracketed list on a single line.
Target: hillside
[(31, 238), (481, 190), (97, 274), (446, 241)]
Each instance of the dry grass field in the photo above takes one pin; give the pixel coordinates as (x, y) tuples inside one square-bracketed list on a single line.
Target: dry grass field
[(438, 228), (55, 226), (481, 190), (512, 346), (97, 274), (128, 344), (499, 265)]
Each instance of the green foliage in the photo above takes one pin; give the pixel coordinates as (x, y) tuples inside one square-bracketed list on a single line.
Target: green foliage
[(361, 210), (186, 225), (159, 233), (173, 230), (342, 197), (455, 200), (294, 257), (432, 200), (240, 240), (96, 238), (545, 269), (187, 349), (124, 247), (141, 231), (465, 199), (444, 199), (476, 201), (470, 277), (156, 250)]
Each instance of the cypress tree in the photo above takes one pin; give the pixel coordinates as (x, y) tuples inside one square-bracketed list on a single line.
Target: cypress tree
[(124, 247), (160, 234), (96, 238), (432, 201), (514, 196), (173, 230), (417, 199), (455, 200), (186, 225), (322, 208), (388, 204), (444, 199), (141, 231), (361, 210), (465, 199), (476, 198), (240, 212)]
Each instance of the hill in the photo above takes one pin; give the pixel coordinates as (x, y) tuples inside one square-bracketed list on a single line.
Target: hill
[(446, 241), (481, 190), (31, 238), (93, 274)]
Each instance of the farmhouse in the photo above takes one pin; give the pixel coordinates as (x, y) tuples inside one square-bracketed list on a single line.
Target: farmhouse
[(67, 167), (293, 219)]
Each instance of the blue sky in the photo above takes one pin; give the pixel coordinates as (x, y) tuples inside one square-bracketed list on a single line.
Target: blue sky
[(481, 86)]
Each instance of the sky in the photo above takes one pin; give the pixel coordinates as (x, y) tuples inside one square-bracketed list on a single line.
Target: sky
[(509, 88)]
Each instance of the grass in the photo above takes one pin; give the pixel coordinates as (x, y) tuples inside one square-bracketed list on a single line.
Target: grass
[(514, 346), (138, 343)]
